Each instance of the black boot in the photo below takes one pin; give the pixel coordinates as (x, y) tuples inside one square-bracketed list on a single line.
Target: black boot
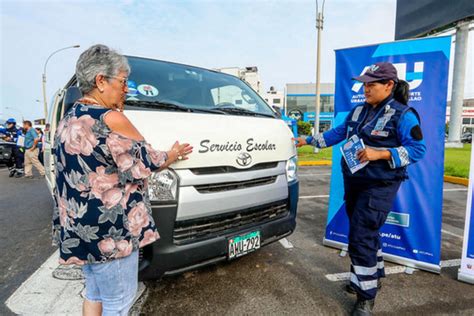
[(350, 289), (363, 308), (12, 172)]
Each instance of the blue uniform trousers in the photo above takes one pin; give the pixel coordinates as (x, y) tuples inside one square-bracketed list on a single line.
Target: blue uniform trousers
[(17, 159), (368, 203)]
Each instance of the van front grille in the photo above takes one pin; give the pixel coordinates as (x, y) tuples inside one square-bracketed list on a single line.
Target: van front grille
[(228, 169), (200, 229), (228, 186)]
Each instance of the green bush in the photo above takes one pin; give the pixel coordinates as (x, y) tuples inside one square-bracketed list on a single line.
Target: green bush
[(304, 128)]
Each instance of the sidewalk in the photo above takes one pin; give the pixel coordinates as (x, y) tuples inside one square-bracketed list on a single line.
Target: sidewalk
[(53, 290)]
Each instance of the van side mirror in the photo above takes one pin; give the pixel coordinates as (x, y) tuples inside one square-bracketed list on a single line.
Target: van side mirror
[(277, 110)]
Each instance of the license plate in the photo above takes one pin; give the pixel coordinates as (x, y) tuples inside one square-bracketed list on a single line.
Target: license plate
[(243, 244)]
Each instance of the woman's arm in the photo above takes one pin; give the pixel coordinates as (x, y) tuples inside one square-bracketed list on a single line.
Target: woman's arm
[(148, 157)]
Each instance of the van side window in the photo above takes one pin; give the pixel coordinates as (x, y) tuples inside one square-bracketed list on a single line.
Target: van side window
[(59, 110), (54, 116)]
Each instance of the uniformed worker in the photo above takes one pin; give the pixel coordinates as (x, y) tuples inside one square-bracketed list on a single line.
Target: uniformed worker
[(11, 132), (391, 132)]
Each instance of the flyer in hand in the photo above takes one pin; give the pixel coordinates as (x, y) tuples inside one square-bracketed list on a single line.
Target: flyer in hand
[(349, 152)]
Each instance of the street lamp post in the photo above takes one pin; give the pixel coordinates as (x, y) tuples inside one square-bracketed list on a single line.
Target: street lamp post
[(319, 26), (44, 78)]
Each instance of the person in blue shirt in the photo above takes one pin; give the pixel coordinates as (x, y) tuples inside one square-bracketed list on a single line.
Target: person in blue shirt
[(393, 140), (11, 134), (31, 151)]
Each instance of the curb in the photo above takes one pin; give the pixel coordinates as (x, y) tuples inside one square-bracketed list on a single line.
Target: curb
[(315, 163), (450, 179), (456, 180)]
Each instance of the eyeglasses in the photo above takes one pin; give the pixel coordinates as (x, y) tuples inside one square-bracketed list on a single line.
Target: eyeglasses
[(122, 80)]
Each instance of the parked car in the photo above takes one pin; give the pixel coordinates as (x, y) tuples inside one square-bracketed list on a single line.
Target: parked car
[(6, 150), (239, 189), (466, 138)]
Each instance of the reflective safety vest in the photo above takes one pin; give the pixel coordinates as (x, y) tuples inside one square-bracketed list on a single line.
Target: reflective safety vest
[(380, 132)]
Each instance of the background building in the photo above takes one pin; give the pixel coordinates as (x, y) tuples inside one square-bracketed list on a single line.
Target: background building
[(275, 98), (247, 74), (301, 97), (467, 115)]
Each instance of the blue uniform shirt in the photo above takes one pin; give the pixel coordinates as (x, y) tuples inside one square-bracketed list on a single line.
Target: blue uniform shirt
[(410, 151), (30, 137), (11, 133)]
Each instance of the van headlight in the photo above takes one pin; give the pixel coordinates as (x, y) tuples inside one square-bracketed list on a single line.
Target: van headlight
[(163, 185), (292, 169)]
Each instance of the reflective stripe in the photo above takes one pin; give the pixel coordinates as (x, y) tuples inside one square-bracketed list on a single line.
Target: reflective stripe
[(363, 285), (321, 142), (356, 113), (380, 265), (360, 270), (379, 253), (403, 155)]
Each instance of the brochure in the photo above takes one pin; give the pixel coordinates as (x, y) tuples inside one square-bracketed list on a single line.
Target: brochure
[(349, 152), (21, 141)]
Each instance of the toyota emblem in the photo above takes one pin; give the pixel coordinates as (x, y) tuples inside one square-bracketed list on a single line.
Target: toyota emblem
[(244, 159)]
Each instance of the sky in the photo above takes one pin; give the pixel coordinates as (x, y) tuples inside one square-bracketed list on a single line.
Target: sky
[(279, 37)]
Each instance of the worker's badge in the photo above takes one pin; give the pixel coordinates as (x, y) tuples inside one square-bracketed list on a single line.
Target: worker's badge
[(379, 126), (379, 133), (381, 122)]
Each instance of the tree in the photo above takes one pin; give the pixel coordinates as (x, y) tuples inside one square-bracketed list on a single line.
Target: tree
[(304, 128)]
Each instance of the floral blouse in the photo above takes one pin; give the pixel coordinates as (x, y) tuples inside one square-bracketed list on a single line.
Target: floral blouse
[(102, 209)]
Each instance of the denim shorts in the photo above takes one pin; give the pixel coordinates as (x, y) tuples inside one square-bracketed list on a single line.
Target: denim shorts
[(114, 284)]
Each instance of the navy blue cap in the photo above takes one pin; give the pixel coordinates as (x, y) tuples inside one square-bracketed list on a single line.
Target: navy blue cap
[(378, 72), (11, 121)]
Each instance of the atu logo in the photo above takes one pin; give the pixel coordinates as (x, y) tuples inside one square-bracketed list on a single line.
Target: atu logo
[(413, 78)]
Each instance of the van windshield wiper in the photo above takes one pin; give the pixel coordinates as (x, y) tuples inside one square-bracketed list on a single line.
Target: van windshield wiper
[(166, 105), (241, 111)]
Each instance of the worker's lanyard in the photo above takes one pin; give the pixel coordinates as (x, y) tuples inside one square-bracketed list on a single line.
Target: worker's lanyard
[(376, 116)]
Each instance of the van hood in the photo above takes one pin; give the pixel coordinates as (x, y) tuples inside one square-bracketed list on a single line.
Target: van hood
[(218, 140)]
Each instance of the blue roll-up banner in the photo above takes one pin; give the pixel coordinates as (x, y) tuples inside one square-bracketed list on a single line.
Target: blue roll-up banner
[(412, 233), (466, 271)]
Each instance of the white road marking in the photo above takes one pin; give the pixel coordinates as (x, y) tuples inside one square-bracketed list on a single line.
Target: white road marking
[(346, 275), (447, 232), (43, 294), (313, 174), (450, 263), (336, 277), (313, 196), (286, 243)]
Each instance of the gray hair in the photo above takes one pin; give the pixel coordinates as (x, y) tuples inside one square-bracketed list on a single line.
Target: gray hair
[(98, 59)]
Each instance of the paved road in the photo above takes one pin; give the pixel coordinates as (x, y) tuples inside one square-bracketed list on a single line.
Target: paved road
[(278, 281), (25, 229), (273, 280)]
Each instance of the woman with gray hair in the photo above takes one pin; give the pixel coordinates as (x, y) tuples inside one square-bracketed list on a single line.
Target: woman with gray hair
[(102, 211)]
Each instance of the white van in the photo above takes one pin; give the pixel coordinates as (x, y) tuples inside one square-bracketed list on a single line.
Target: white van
[(239, 189)]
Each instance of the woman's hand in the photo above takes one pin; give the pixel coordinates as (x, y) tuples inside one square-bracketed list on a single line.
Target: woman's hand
[(371, 154), (300, 141), (179, 152)]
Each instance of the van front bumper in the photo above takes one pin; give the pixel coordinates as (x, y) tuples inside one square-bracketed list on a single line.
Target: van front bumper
[(165, 257)]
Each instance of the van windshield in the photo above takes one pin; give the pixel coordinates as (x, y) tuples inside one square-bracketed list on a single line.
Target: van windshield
[(160, 85)]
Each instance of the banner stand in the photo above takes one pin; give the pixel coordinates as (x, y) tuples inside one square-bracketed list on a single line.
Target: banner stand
[(392, 258), (466, 271), (464, 277), (411, 235)]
